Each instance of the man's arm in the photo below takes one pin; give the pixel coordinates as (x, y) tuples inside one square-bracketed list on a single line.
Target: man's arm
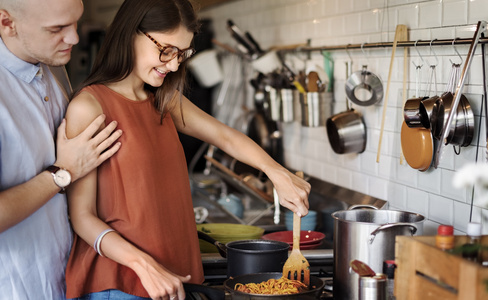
[(78, 155)]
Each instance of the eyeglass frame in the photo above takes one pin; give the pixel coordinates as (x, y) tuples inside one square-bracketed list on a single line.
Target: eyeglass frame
[(179, 52)]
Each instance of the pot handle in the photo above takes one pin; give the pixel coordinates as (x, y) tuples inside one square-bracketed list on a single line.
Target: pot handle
[(373, 234), (221, 247), (358, 206)]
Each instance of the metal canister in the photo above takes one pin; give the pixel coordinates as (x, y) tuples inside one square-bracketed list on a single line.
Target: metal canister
[(373, 288)]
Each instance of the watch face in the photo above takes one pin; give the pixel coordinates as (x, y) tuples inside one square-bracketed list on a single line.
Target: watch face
[(63, 178)]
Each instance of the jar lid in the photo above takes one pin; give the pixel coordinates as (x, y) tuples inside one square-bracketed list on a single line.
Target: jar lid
[(474, 229), (445, 230)]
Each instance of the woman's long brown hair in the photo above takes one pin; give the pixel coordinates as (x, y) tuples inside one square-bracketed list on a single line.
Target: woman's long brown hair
[(115, 60)]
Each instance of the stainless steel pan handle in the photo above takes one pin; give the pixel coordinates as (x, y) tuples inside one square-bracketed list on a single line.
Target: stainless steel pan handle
[(359, 206), (373, 234)]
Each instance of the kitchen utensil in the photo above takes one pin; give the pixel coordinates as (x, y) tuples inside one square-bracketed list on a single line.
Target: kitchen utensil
[(373, 287), (485, 94), (347, 132), (267, 63), (314, 292), (416, 141), (480, 28), (417, 146), (220, 247), (227, 232), (426, 110), (206, 68), (411, 112), (364, 88), (404, 89), (256, 45), (462, 129), (243, 43), (312, 82), (276, 216), (296, 264), (287, 102), (245, 256), (255, 256), (316, 107), (411, 107), (367, 235), (239, 179), (400, 35), (361, 268)]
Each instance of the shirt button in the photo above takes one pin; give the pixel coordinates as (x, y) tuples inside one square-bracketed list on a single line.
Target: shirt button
[(46, 98)]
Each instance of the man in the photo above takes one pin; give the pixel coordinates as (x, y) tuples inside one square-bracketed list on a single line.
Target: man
[(36, 38)]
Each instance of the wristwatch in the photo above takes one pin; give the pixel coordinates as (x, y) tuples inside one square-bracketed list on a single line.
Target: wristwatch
[(62, 177)]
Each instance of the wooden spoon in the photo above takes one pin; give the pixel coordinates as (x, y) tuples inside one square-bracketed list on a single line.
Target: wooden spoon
[(296, 266), (312, 84), (361, 268)]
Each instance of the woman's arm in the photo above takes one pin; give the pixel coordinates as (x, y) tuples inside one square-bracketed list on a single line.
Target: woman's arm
[(292, 190), (158, 281)]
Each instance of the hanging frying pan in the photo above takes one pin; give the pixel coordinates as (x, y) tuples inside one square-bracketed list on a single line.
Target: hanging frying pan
[(417, 147)]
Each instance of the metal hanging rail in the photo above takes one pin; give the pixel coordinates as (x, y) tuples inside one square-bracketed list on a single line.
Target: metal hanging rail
[(435, 42)]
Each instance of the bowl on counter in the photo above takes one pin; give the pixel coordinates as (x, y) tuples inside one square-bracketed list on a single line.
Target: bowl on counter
[(308, 222), (227, 232)]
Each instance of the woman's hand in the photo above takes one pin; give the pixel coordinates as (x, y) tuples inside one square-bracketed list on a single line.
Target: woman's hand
[(159, 282), (292, 190)]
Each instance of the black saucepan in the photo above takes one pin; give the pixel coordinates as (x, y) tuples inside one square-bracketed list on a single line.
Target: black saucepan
[(251, 256)]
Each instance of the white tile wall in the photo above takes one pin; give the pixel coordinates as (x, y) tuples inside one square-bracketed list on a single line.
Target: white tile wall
[(340, 22)]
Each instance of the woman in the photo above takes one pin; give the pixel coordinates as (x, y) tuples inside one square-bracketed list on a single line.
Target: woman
[(136, 211)]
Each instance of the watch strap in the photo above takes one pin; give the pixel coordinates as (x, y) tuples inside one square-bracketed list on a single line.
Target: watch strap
[(53, 169)]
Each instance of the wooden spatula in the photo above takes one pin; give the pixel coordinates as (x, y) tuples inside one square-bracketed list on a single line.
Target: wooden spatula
[(296, 266)]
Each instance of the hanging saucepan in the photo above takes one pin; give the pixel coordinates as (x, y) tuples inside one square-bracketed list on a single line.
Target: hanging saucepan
[(346, 130), (461, 131), (314, 292), (411, 112), (364, 88), (417, 110)]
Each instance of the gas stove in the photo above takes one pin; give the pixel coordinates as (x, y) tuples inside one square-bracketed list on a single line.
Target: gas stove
[(320, 260)]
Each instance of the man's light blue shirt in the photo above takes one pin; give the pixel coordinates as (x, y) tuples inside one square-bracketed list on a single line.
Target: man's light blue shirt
[(33, 253)]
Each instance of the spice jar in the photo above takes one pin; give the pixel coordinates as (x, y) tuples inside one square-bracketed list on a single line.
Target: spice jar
[(444, 239)]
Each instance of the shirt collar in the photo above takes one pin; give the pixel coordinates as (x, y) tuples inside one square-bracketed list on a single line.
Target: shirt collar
[(18, 67)]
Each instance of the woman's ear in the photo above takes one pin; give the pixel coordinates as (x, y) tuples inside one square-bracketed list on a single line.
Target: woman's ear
[(7, 24)]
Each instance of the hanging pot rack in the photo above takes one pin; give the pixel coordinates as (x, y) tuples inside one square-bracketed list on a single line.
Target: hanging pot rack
[(418, 43)]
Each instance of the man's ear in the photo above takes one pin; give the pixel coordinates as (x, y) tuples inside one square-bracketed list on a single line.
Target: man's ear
[(7, 24)]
